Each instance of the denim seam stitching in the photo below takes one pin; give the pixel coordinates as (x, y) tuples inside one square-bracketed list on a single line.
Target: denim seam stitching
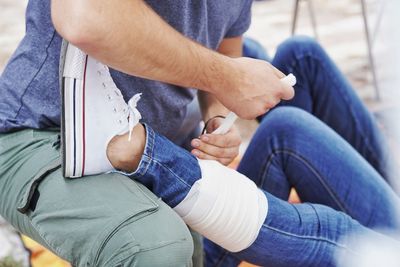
[(315, 172), (309, 237), (319, 176), (316, 214), (338, 88), (146, 160), (174, 174), (266, 165), (149, 151), (221, 259), (151, 138), (150, 155)]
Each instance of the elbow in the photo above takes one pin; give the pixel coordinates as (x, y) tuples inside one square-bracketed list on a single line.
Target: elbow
[(72, 19)]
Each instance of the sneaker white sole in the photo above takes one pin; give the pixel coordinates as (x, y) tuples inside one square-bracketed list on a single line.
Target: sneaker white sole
[(73, 71)]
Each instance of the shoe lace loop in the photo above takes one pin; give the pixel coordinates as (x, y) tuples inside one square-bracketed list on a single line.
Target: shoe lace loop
[(134, 114), (128, 111)]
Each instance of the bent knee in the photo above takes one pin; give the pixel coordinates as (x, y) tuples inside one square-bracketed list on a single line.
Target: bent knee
[(159, 239), (285, 117), (288, 122)]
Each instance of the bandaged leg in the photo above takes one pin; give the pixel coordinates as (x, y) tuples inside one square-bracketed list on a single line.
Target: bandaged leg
[(220, 203), (224, 206)]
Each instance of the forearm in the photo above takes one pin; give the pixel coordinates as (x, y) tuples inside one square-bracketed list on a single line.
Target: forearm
[(129, 36), (209, 104)]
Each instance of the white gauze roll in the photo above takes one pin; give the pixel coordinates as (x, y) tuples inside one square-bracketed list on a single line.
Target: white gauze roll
[(224, 206)]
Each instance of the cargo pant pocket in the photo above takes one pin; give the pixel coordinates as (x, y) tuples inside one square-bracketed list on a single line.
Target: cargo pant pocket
[(74, 217)]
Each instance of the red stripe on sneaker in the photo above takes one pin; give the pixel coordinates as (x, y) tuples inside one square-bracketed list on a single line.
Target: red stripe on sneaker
[(74, 123), (83, 119)]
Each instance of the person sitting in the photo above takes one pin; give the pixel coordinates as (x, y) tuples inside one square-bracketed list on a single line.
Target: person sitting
[(230, 207)]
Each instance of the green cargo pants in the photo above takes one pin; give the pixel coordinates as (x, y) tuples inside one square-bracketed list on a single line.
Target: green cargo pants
[(104, 220)]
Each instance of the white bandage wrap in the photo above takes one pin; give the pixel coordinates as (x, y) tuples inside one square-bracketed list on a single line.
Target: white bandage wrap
[(225, 207)]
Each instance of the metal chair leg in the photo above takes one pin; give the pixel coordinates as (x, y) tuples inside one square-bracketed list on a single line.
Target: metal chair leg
[(313, 18), (378, 22), (369, 48), (295, 16)]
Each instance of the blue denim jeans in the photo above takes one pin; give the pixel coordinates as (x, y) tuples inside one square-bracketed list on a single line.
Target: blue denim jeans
[(252, 48), (336, 163), (342, 193), (322, 91)]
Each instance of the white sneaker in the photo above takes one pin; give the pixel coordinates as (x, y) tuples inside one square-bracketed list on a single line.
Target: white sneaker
[(93, 112)]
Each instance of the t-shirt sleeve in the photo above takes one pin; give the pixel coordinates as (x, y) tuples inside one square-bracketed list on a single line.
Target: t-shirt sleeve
[(242, 24)]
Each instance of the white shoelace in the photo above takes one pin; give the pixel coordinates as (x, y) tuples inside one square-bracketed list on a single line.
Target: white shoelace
[(128, 111), (134, 114)]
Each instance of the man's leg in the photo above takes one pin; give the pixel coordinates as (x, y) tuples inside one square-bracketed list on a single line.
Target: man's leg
[(315, 231), (102, 220), (293, 149), (323, 91)]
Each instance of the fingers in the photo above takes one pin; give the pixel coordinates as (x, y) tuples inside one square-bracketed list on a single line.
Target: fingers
[(287, 91), (216, 151), (223, 161), (230, 155), (277, 72), (229, 139), (222, 148)]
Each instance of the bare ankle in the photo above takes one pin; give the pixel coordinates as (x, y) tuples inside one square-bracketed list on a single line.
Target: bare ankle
[(125, 155)]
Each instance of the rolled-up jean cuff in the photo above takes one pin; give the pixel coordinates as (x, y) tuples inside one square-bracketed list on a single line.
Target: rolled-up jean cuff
[(146, 157), (168, 170)]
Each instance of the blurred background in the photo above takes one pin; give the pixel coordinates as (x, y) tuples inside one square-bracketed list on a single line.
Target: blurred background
[(361, 36), (340, 28)]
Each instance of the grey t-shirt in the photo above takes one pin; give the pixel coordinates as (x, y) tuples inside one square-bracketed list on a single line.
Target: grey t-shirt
[(29, 87)]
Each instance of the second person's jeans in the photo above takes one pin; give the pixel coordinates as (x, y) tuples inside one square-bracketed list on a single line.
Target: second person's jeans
[(337, 178), (323, 91), (322, 167), (300, 160)]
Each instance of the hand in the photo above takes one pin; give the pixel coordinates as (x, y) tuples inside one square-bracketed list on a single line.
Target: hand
[(256, 88), (220, 147)]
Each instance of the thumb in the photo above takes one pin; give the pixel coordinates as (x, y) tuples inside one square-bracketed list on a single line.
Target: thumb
[(287, 91)]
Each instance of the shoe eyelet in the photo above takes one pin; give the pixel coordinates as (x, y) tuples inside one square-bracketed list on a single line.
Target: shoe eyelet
[(120, 121), (104, 85), (109, 97), (115, 110)]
